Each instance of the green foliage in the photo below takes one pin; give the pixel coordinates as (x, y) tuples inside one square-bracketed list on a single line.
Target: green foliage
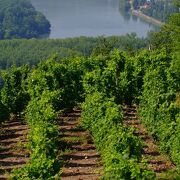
[(168, 37), (149, 77), (124, 6), (43, 138), (120, 149), (60, 78), (111, 75), (33, 51), (52, 87), (13, 93), (140, 62), (19, 19), (4, 113), (160, 89), (157, 104)]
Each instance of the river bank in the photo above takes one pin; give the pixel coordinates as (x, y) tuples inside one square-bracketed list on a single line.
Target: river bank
[(147, 18)]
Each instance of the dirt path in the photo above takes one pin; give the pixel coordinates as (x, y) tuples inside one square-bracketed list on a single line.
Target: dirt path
[(157, 162), (82, 162), (13, 137)]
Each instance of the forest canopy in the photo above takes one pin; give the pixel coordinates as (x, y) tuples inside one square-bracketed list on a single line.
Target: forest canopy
[(19, 19), (32, 51)]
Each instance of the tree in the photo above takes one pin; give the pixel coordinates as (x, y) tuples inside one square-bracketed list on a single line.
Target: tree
[(14, 95), (19, 19)]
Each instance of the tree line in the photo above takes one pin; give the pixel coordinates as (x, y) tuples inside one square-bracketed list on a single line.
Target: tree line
[(19, 19), (21, 51)]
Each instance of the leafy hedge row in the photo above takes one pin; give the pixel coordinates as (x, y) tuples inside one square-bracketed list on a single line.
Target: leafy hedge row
[(13, 95), (43, 139), (3, 112), (52, 88), (149, 78), (108, 82), (41, 116), (120, 149), (41, 93), (158, 106), (111, 74)]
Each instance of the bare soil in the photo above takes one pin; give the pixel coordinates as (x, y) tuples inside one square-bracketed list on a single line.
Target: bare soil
[(158, 162), (82, 161), (13, 151)]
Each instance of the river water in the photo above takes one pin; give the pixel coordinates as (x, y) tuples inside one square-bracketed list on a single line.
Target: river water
[(72, 18)]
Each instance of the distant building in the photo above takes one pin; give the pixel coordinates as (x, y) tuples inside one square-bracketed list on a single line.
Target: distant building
[(146, 5)]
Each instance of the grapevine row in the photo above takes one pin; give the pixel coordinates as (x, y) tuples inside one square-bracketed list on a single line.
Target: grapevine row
[(103, 82)]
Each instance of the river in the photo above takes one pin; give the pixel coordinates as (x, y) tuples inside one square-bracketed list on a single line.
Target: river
[(73, 18)]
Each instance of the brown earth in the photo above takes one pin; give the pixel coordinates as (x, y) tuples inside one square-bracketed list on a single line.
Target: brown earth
[(81, 160), (13, 151), (158, 162)]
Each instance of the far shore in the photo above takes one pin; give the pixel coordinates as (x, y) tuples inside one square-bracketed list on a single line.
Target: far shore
[(147, 18)]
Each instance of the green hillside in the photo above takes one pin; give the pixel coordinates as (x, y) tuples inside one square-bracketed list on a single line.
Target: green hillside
[(19, 19)]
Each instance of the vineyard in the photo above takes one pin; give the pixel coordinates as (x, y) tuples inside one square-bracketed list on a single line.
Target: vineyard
[(112, 115), (101, 85)]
